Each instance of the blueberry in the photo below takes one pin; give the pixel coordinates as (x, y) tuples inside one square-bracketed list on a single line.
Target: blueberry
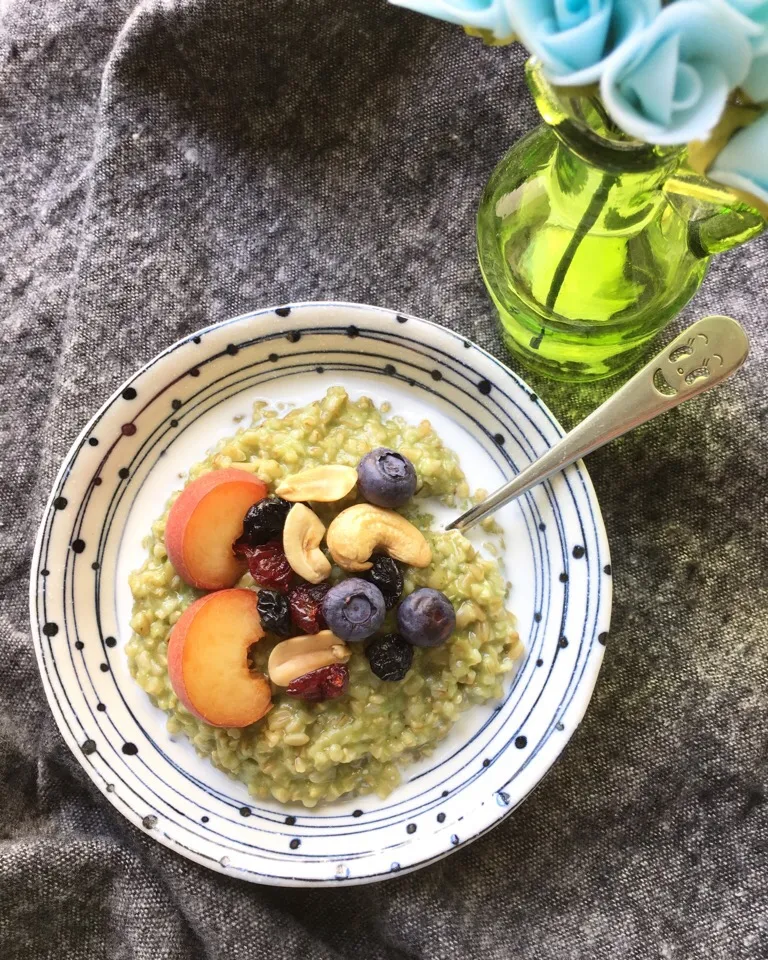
[(264, 521), (389, 656), (275, 613), (426, 618), (387, 576), (386, 478), (354, 609)]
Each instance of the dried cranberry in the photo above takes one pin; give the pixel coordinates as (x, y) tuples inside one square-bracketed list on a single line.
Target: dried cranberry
[(327, 683), (268, 565), (306, 600)]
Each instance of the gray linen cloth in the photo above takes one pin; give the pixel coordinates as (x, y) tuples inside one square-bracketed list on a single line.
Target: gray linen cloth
[(170, 163)]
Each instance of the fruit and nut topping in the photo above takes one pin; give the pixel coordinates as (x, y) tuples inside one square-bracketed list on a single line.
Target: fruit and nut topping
[(326, 683), (302, 535), (363, 529), (321, 484), (300, 655), (281, 543), (386, 478)]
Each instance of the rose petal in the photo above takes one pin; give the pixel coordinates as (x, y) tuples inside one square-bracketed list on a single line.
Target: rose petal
[(743, 162), (652, 81), (651, 101), (752, 16), (756, 84), (579, 46), (687, 87), (574, 49), (570, 13)]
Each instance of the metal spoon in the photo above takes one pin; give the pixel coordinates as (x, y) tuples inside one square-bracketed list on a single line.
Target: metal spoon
[(700, 358)]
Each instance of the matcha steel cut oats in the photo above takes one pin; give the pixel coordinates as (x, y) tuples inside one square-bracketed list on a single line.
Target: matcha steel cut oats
[(311, 753)]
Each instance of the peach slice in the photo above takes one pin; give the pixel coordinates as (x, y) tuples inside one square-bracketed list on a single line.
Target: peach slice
[(208, 659), (205, 521)]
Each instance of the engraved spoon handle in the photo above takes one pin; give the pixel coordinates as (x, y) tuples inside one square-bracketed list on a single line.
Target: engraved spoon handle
[(700, 358)]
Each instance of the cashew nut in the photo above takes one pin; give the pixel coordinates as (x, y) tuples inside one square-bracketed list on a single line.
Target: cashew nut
[(359, 531), (321, 484), (299, 655), (302, 535)]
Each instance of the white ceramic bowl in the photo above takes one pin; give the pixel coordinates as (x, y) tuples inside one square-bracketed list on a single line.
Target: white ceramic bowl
[(115, 481)]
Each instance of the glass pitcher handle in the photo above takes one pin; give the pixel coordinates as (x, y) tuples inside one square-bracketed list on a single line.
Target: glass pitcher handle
[(717, 219)]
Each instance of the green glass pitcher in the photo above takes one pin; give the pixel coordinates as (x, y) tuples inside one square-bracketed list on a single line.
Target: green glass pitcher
[(590, 242)]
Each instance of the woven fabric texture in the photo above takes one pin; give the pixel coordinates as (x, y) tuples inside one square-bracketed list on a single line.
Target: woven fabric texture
[(169, 163)]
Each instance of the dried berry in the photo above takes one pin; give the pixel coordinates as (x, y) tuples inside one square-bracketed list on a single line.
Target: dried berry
[(268, 565), (306, 606), (390, 656), (263, 522), (327, 683), (354, 609), (387, 576), (275, 613)]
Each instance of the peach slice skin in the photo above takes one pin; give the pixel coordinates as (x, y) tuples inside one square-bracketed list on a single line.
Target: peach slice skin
[(204, 522), (207, 659)]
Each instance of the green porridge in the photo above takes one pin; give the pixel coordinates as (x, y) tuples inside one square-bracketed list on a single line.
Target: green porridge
[(309, 753)]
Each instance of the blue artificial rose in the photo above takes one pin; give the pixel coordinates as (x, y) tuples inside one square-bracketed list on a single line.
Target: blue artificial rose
[(669, 83), (753, 18), (743, 162), (488, 15), (574, 38), (753, 15)]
